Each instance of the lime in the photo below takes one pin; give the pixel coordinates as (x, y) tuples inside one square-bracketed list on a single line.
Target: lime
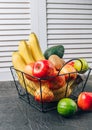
[(81, 65), (66, 107)]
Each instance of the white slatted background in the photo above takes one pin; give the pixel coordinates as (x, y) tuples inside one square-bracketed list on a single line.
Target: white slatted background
[(69, 22), (15, 25)]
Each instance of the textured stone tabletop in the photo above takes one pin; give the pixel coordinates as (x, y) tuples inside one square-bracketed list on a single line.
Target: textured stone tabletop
[(16, 114)]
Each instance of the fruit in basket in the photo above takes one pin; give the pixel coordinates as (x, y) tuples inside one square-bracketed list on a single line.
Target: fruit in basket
[(69, 71), (85, 101), (66, 107), (81, 65), (71, 63), (61, 93), (43, 94), (56, 61), (43, 69), (57, 50), (35, 47), (28, 72), (57, 82)]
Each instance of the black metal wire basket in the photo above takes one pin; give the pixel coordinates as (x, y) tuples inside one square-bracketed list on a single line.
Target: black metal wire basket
[(26, 88)]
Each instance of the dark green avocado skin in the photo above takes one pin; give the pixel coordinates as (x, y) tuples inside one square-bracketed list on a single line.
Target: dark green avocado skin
[(55, 50)]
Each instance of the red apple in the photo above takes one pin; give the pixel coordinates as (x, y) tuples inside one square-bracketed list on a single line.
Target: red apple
[(85, 101), (69, 69), (71, 63), (57, 82), (43, 69)]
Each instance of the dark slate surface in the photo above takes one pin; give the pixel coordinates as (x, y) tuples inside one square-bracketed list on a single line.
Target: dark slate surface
[(16, 114)]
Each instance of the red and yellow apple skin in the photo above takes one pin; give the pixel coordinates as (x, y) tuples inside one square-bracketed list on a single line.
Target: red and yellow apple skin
[(28, 71), (57, 82), (69, 71), (85, 101), (43, 69), (71, 63)]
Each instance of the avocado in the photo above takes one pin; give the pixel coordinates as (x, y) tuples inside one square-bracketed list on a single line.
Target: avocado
[(57, 50)]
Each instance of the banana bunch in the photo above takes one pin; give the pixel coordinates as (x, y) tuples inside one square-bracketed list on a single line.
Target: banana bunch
[(28, 52), (31, 50)]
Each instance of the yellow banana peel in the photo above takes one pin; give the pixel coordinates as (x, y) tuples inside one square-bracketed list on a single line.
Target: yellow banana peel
[(25, 52), (35, 47)]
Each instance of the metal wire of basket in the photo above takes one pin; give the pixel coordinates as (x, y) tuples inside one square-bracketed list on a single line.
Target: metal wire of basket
[(78, 85)]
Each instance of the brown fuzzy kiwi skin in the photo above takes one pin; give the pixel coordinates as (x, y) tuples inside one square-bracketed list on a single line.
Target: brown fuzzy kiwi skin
[(57, 61)]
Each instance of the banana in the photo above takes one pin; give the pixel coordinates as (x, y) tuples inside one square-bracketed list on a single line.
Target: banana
[(35, 47), (60, 93), (17, 61), (25, 52), (19, 64), (30, 49)]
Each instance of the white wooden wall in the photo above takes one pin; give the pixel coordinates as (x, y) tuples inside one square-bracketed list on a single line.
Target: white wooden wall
[(69, 22), (66, 22), (15, 24)]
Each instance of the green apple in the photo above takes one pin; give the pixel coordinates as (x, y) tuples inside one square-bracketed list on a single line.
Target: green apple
[(81, 65)]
